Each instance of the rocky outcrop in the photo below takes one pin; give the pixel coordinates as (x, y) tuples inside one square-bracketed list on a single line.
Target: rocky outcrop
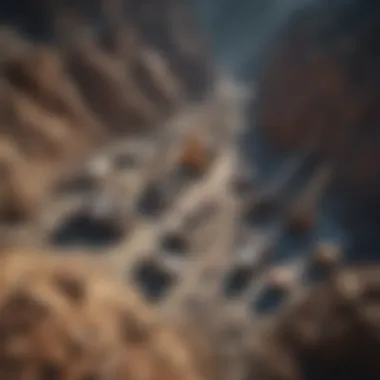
[(74, 76), (330, 333)]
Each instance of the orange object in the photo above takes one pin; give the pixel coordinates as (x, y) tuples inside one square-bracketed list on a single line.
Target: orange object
[(195, 156)]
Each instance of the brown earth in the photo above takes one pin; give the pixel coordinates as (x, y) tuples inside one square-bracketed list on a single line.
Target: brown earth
[(64, 318)]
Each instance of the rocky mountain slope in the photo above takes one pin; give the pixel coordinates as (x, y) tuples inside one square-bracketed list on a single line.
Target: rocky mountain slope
[(121, 153)]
